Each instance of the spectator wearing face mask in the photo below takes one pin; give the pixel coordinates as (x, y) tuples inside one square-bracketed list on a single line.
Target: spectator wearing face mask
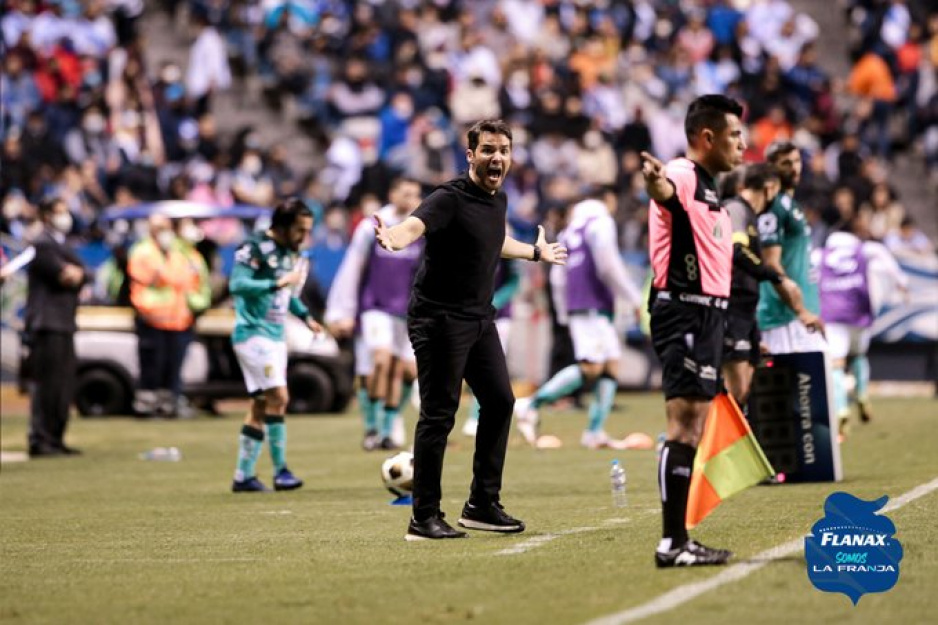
[(90, 140), (251, 184), (164, 281)]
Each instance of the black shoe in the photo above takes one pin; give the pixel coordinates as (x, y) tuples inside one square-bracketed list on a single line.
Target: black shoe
[(866, 412), (491, 518), (45, 451), (388, 444), (432, 529), (70, 451), (692, 553)]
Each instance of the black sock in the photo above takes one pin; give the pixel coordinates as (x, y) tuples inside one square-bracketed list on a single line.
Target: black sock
[(674, 470)]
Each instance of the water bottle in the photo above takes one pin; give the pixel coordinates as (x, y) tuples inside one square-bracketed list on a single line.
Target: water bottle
[(162, 454), (618, 480)]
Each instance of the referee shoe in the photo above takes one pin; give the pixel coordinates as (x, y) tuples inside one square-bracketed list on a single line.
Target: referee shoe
[(491, 518), (691, 553)]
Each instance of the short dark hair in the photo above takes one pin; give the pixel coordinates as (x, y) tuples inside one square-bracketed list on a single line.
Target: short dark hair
[(759, 175), (778, 149), (399, 180), (494, 126), (709, 112), (287, 212), (47, 206)]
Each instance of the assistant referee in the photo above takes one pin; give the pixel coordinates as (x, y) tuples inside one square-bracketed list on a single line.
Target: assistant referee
[(451, 323)]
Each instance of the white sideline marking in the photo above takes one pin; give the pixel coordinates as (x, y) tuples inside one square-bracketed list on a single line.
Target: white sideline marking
[(537, 541), (687, 592)]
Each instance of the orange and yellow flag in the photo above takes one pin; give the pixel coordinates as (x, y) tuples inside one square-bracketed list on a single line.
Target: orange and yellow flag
[(728, 460)]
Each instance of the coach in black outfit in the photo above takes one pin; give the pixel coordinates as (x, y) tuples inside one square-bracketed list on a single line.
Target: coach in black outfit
[(55, 278), (452, 329)]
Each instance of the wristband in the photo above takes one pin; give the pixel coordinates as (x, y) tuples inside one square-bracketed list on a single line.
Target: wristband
[(536, 257)]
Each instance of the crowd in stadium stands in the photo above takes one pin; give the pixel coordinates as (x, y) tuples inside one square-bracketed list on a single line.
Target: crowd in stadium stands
[(387, 86)]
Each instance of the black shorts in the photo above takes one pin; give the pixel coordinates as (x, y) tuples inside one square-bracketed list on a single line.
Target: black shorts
[(741, 339), (689, 342)]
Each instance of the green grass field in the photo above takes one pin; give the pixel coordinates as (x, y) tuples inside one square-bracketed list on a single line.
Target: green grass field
[(108, 538)]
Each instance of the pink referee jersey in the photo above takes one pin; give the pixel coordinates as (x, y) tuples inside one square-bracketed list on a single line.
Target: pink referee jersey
[(690, 235)]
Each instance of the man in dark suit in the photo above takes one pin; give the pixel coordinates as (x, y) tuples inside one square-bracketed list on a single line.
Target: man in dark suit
[(55, 278)]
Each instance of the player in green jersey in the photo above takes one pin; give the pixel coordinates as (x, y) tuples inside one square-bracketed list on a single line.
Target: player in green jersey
[(786, 248), (265, 281)]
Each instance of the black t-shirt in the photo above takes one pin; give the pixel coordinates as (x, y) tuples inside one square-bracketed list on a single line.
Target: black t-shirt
[(748, 268), (464, 238)]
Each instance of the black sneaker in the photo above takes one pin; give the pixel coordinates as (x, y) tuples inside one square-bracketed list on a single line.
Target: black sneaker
[(491, 518), (432, 529), (692, 553), (388, 444)]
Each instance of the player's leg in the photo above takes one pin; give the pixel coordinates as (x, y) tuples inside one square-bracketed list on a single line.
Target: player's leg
[(860, 367), (604, 396), (250, 445), (838, 340), (569, 379), (275, 424), (364, 371), (254, 359), (408, 381), (603, 374), (378, 334), (740, 356), (392, 404), (403, 372), (487, 374), (689, 341)]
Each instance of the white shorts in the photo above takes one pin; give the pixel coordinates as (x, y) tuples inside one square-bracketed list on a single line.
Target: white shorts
[(363, 363), (503, 327), (263, 363), (793, 338), (845, 340), (594, 338), (383, 331)]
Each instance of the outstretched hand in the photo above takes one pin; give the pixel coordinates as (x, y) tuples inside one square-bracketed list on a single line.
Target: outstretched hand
[(383, 234), (553, 253), (656, 182)]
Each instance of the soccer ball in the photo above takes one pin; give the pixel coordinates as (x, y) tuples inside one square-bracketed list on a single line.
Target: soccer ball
[(397, 472)]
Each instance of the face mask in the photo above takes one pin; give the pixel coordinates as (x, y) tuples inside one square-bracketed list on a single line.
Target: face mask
[(93, 79), (62, 222), (403, 109), (165, 238), (93, 124), (191, 233), (436, 139), (252, 165)]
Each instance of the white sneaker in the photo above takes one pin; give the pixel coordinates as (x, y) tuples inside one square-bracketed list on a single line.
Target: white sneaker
[(470, 427), (398, 433), (600, 440), (526, 419)]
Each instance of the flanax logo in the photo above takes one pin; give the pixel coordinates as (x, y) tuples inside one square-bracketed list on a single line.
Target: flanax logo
[(852, 549)]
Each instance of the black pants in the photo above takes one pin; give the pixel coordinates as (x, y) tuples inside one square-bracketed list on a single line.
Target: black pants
[(52, 360), (448, 350), (161, 354)]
